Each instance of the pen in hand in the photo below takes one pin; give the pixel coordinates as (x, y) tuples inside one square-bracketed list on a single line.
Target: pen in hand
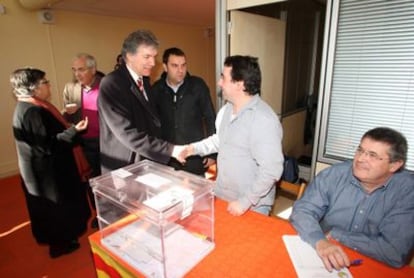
[(356, 262)]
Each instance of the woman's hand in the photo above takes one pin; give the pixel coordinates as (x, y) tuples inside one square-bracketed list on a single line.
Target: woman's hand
[(82, 125)]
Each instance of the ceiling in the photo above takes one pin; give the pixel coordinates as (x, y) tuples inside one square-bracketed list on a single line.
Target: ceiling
[(195, 12)]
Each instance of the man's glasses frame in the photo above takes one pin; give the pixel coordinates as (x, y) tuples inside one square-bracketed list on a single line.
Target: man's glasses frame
[(370, 154)]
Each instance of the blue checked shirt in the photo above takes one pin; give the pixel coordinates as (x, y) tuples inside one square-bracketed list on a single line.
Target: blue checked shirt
[(379, 225)]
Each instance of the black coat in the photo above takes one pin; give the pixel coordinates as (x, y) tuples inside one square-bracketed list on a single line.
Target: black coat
[(55, 195), (129, 125), (187, 116)]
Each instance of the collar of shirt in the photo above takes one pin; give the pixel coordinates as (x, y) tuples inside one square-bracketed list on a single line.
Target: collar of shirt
[(133, 74), (87, 88), (176, 87), (249, 105), (357, 183)]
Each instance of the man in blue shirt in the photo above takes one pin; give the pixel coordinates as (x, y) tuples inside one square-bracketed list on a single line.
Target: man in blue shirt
[(366, 204)]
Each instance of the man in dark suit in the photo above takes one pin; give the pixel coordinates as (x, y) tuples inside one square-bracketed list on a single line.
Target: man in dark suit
[(129, 125)]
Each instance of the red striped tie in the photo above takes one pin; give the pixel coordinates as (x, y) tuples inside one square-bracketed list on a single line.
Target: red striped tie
[(140, 84)]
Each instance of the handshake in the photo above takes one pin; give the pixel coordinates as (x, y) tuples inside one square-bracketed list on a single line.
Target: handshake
[(182, 152)]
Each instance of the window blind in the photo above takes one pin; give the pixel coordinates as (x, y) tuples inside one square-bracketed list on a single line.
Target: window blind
[(370, 73)]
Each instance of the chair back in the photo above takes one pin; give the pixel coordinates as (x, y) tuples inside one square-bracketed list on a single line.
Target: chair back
[(293, 188)]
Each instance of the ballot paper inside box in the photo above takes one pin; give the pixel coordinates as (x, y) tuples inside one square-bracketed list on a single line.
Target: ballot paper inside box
[(157, 220)]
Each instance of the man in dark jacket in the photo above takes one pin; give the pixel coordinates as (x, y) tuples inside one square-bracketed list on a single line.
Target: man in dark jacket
[(185, 108), (129, 125)]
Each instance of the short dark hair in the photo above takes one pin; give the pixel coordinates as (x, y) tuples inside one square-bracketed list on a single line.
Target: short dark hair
[(247, 69), (119, 59), (172, 51), (25, 80), (137, 38), (396, 141)]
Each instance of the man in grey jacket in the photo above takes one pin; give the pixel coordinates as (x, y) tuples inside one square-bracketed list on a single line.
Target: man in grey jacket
[(248, 140)]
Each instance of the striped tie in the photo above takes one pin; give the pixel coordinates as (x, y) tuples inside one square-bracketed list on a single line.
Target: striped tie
[(140, 84)]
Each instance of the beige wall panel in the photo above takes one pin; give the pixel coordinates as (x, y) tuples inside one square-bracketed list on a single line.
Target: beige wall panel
[(293, 130), (320, 166), (262, 37)]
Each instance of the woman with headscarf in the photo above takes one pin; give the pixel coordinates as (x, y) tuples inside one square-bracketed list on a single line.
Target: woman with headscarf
[(50, 164)]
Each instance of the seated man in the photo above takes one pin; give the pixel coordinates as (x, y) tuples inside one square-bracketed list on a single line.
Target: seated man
[(366, 204)]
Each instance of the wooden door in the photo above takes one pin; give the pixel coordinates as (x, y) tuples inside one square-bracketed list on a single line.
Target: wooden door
[(261, 37)]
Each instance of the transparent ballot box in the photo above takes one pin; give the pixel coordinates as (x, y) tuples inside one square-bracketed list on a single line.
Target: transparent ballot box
[(157, 220)]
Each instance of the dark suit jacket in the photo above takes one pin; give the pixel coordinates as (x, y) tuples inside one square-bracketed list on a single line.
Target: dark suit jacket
[(55, 196), (186, 116), (129, 125)]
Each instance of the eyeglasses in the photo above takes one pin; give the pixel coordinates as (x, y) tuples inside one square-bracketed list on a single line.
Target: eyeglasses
[(44, 81), (81, 70), (371, 155)]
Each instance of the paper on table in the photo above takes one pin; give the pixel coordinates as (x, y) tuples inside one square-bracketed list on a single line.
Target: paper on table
[(139, 245), (307, 262), (170, 197), (153, 180), (122, 173)]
